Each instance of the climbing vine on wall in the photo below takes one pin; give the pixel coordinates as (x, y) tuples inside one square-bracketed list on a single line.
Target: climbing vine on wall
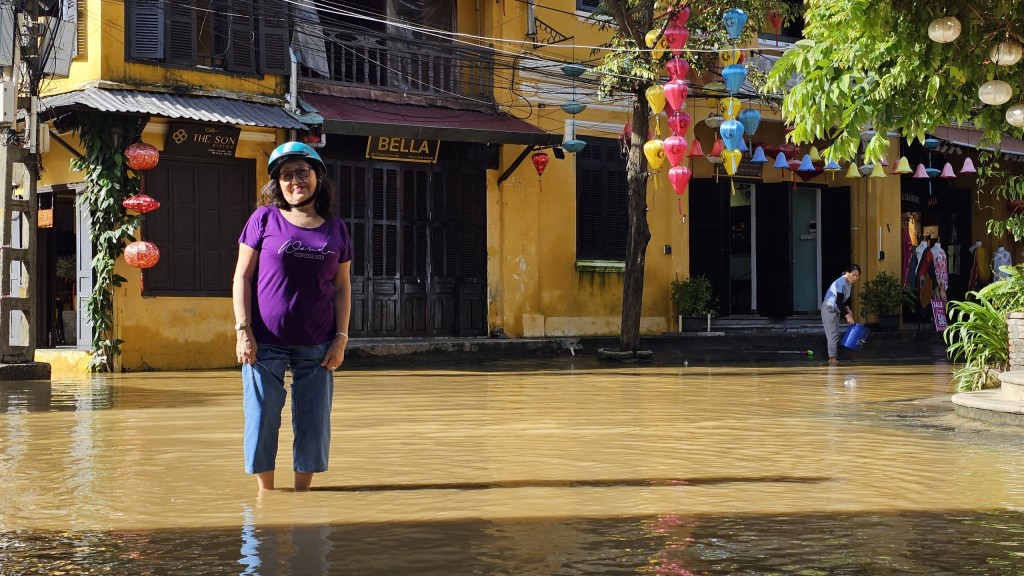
[(108, 183)]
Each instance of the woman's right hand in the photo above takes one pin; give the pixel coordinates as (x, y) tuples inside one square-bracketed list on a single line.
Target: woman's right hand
[(245, 347)]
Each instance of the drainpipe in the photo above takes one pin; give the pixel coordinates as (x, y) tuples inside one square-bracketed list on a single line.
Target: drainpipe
[(292, 104), (531, 19)]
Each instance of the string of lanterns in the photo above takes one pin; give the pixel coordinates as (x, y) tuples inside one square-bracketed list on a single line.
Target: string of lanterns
[(141, 157)]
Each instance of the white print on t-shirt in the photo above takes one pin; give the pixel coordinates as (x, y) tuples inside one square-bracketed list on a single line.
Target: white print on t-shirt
[(295, 248)]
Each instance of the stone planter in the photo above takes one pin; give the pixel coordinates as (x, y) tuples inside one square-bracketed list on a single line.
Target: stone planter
[(1015, 330)]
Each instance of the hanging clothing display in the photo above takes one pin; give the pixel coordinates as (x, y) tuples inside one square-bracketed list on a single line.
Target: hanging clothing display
[(1001, 258)]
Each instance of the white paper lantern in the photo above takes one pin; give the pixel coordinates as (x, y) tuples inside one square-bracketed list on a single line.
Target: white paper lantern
[(995, 92), (1006, 53), (1015, 115), (944, 29)]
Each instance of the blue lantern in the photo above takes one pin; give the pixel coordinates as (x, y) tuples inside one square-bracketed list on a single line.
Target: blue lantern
[(781, 161), (743, 145), (573, 107), (833, 166), (732, 133), (573, 145), (734, 20), (735, 75), (806, 165), (758, 157), (750, 119)]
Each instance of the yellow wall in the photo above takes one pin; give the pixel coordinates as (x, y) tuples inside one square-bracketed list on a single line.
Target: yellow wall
[(177, 333)]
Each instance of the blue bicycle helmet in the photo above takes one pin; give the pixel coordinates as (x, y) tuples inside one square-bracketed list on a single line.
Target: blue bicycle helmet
[(294, 151)]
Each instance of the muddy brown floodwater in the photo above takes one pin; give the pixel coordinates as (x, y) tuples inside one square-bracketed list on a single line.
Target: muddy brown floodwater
[(528, 467)]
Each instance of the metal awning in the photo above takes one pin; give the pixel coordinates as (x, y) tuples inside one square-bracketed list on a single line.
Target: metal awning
[(357, 117), (970, 137), (198, 108)]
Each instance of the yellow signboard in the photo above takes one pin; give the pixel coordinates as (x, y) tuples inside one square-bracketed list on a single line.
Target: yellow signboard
[(402, 149)]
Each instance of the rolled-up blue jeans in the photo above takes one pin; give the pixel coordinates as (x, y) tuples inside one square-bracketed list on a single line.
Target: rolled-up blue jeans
[(264, 396)]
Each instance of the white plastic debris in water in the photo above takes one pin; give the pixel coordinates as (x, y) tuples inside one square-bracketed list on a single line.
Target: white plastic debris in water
[(851, 383)]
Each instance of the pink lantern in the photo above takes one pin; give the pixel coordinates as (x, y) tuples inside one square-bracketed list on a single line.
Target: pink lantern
[(968, 166), (679, 177), (680, 16), (679, 122), (920, 172), (141, 156), (947, 171), (675, 149), (141, 203), (676, 37), (695, 150), (675, 93), (141, 254), (677, 68)]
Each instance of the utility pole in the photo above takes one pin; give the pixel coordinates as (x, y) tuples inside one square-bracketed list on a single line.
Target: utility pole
[(18, 205)]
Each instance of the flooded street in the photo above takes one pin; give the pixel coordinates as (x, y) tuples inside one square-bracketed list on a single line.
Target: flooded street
[(530, 467)]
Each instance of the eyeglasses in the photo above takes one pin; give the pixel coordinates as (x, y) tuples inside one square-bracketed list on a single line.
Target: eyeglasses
[(301, 174)]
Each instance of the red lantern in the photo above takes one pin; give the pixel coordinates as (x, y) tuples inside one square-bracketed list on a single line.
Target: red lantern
[(141, 156), (141, 203), (775, 18), (141, 254), (540, 161)]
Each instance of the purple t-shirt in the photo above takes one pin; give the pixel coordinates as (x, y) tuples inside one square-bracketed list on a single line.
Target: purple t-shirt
[(293, 289)]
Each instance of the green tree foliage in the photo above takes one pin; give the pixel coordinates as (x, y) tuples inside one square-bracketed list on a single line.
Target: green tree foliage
[(108, 184), (630, 68), (870, 64)]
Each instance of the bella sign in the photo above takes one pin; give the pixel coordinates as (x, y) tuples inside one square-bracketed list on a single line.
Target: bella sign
[(404, 149)]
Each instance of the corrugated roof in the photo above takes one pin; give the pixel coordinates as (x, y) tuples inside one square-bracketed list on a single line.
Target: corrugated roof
[(198, 108), (963, 136), (374, 118)]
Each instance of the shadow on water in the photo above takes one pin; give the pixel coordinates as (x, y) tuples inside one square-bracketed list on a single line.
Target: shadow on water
[(987, 543), (604, 483)]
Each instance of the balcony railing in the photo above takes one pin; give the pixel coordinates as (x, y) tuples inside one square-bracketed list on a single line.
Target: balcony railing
[(366, 59)]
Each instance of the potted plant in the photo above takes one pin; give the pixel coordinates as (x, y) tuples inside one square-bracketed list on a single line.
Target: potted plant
[(695, 302), (883, 296)]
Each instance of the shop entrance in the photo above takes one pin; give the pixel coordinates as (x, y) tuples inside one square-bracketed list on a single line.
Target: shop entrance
[(768, 248)]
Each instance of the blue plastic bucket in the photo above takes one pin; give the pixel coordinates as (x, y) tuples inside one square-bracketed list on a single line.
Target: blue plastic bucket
[(855, 337)]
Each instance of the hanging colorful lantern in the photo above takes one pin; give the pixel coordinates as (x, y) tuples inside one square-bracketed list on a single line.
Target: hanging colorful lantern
[(679, 177), (656, 98), (750, 119), (677, 68), (775, 18), (680, 16), (141, 254), (676, 37), (540, 162), (731, 56), (675, 149), (141, 156), (735, 75), (141, 204), (730, 108), (675, 92), (654, 150), (679, 122), (732, 133), (734, 19), (731, 160)]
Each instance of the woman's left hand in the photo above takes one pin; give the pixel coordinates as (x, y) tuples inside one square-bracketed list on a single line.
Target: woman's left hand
[(335, 354), (849, 318)]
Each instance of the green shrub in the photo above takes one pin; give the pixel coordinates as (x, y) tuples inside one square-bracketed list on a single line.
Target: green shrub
[(694, 296)]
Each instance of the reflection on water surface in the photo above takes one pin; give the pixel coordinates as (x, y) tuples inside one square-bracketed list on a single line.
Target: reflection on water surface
[(552, 467)]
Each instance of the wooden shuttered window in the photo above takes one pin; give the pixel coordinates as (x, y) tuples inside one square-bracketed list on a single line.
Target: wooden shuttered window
[(233, 35), (146, 28), (602, 217), (203, 208), (273, 36)]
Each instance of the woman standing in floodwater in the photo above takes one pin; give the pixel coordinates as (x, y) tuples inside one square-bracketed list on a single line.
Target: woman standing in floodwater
[(292, 301), (836, 305)]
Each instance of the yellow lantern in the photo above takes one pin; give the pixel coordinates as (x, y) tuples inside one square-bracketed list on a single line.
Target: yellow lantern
[(655, 152), (656, 98), (731, 56), (658, 50), (731, 160), (730, 107), (651, 38)]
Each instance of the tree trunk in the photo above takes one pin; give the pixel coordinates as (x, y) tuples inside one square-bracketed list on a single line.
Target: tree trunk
[(639, 234)]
